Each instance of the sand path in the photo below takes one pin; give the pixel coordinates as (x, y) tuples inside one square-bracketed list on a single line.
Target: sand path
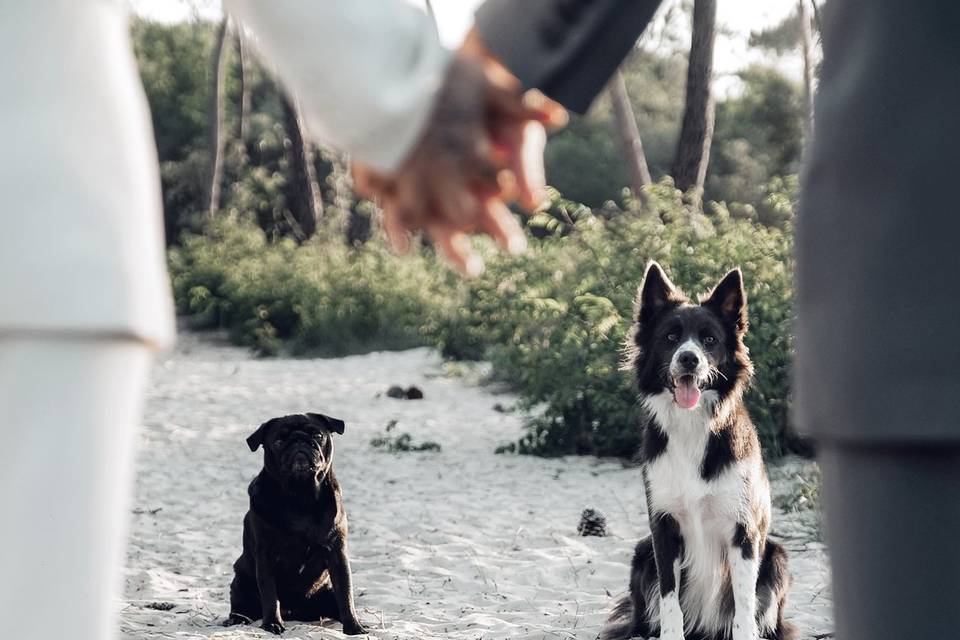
[(457, 544)]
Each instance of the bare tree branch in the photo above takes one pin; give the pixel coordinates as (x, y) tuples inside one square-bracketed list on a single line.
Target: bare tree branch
[(696, 133), (629, 136), (218, 68)]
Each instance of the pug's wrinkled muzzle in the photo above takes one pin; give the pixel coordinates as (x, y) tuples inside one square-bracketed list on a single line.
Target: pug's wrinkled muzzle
[(301, 464)]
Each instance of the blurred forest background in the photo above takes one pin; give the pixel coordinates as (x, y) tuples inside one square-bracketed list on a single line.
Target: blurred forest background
[(267, 240)]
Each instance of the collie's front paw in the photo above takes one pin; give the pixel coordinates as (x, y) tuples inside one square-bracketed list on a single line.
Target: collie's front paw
[(745, 630), (671, 618), (671, 630)]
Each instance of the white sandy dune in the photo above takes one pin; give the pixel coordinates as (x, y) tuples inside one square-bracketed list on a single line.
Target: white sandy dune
[(457, 544)]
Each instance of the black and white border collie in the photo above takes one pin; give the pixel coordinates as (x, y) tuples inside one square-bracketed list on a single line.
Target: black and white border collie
[(708, 570)]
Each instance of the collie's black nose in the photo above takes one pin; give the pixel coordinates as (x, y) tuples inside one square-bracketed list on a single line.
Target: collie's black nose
[(688, 360)]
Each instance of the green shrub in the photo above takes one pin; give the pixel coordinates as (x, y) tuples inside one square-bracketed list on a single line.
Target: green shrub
[(552, 322), (320, 297)]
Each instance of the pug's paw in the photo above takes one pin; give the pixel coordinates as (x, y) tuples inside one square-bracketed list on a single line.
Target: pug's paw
[(236, 618), (354, 628), (273, 626)]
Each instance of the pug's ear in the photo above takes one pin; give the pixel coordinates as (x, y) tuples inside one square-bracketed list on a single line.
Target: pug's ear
[(255, 439), (333, 424)]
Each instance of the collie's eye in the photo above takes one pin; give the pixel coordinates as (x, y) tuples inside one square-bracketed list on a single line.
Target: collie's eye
[(709, 340), (673, 337)]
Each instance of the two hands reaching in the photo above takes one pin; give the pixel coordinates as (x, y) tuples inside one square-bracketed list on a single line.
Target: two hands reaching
[(481, 149)]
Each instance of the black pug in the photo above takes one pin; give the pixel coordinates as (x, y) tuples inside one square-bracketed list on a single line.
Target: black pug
[(294, 563)]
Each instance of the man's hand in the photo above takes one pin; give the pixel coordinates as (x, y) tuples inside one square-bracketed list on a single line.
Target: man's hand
[(482, 147)]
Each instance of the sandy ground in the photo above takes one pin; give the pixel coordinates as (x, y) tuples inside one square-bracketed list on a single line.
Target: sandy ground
[(461, 543)]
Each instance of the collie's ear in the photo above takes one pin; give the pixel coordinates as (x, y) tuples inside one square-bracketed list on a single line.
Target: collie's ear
[(655, 292), (333, 424), (729, 299), (255, 439)]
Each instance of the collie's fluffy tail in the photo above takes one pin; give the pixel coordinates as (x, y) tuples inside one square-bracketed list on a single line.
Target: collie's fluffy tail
[(785, 631), (619, 626)]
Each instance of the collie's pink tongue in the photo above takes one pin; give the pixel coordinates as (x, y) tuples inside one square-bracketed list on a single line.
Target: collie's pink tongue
[(687, 394)]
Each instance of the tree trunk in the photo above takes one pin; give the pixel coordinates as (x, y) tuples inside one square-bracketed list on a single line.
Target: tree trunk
[(816, 17), (629, 136), (806, 45), (218, 64), (243, 121), (696, 133), (303, 192)]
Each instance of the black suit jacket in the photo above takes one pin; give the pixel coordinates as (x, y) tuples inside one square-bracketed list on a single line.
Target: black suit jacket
[(878, 238), (567, 49)]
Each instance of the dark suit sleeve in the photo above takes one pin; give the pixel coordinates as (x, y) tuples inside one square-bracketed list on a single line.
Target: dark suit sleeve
[(567, 49)]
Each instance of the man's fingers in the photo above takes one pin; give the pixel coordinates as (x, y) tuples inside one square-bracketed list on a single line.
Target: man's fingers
[(370, 183), (507, 88), (531, 176), (550, 113), (454, 245), (507, 103), (497, 222)]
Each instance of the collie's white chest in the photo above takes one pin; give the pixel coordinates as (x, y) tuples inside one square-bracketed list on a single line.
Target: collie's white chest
[(707, 511), (675, 477), (677, 487)]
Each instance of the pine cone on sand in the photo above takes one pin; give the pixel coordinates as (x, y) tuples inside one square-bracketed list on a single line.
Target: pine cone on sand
[(592, 523)]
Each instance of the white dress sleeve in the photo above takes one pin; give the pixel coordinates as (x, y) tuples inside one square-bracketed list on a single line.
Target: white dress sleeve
[(364, 72)]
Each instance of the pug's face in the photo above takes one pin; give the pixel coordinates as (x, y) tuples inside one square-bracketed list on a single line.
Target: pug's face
[(298, 449)]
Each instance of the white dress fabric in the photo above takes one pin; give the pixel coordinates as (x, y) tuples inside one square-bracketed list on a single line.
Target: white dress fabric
[(81, 227), (84, 292), (69, 415), (364, 72)]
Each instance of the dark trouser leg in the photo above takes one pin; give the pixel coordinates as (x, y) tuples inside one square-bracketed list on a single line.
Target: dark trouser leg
[(892, 525)]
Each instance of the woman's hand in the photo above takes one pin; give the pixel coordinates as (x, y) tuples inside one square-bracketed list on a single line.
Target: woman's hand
[(481, 149)]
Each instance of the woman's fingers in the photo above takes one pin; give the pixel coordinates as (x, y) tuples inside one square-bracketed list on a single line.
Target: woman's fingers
[(369, 183), (455, 247), (483, 149), (393, 225), (528, 166), (498, 222), (455, 205)]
